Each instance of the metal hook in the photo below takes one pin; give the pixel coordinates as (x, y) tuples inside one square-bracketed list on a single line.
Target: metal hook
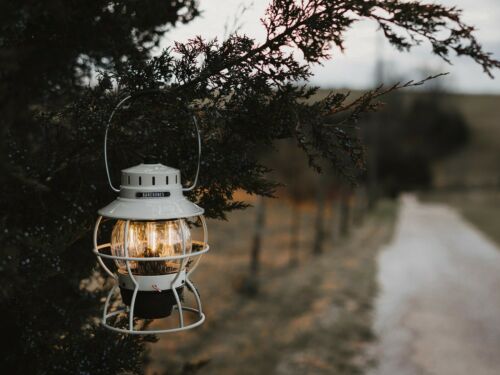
[(118, 106)]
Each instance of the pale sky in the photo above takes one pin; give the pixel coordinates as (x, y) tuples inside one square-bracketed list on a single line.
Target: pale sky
[(355, 68)]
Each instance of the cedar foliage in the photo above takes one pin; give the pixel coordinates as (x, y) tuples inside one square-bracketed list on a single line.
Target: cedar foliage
[(246, 95)]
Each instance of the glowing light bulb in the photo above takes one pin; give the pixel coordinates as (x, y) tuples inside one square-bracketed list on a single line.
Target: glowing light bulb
[(151, 239)]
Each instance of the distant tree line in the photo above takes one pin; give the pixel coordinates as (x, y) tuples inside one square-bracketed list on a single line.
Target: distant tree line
[(411, 133)]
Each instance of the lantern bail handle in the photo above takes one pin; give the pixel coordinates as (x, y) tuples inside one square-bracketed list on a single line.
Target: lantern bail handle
[(108, 124)]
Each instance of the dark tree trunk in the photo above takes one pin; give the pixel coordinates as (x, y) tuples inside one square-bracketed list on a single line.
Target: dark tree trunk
[(359, 207), (372, 164), (320, 218), (335, 219), (294, 234), (344, 213), (250, 285), (257, 237)]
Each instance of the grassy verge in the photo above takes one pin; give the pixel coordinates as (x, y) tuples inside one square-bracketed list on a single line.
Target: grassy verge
[(480, 207), (349, 337)]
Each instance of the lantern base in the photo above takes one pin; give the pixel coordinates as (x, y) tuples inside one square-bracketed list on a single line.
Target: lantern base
[(151, 304)]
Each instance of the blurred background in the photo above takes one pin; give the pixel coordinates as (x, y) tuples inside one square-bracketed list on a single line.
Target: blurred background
[(297, 290)]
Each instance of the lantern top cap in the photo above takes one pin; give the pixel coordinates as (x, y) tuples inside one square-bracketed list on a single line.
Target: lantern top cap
[(151, 177), (150, 169), (151, 192)]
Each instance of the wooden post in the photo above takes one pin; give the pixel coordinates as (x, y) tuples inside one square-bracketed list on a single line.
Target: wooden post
[(295, 234), (345, 214), (250, 283), (320, 218), (257, 237)]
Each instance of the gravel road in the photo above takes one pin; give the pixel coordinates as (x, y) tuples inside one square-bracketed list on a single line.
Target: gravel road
[(438, 310)]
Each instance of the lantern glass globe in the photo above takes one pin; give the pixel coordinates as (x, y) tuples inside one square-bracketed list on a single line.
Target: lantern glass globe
[(151, 239)]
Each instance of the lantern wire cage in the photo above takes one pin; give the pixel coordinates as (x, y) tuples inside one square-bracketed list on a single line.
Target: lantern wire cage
[(185, 258)]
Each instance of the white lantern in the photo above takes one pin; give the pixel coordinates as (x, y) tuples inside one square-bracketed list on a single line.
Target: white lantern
[(151, 245)]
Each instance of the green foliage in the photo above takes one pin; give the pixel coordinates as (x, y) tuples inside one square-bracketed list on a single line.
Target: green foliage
[(245, 95)]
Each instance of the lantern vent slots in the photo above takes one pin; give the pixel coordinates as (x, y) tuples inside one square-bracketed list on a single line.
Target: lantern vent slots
[(150, 250)]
